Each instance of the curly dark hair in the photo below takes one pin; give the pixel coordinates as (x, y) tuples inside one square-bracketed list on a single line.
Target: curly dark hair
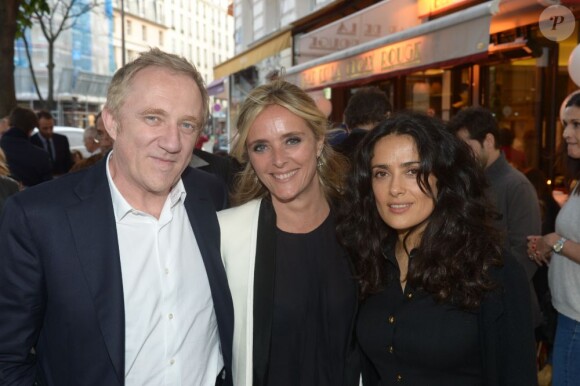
[(459, 243)]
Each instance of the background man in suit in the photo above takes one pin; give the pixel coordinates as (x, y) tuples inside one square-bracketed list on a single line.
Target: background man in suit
[(28, 164), (509, 190), (117, 279), (56, 145)]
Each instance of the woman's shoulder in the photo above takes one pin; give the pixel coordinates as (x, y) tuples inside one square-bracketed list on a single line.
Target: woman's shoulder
[(243, 212)]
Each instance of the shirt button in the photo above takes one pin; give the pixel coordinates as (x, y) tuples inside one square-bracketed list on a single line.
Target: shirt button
[(167, 271), (391, 319), (170, 316), (172, 361), (399, 378), (410, 295), (391, 349)]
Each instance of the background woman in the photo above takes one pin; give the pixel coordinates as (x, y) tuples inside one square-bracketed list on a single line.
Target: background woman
[(561, 249), (439, 308), (293, 290)]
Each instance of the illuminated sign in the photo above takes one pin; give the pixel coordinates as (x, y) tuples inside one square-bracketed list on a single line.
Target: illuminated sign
[(385, 59), (431, 7), (456, 41)]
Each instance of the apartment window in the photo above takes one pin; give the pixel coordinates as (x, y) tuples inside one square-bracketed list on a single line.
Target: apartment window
[(144, 32), (129, 27)]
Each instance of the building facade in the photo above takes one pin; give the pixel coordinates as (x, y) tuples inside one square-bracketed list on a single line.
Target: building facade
[(114, 32), (428, 55)]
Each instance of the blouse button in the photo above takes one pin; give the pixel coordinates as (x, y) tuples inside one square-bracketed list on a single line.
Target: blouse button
[(410, 295), (399, 378), (391, 319), (391, 349)]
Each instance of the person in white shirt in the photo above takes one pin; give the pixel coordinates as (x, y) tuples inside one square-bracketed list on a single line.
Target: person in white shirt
[(113, 275)]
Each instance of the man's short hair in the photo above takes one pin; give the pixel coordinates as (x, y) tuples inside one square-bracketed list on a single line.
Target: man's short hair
[(90, 133), (478, 122), (369, 105), (153, 58), (24, 119), (43, 114)]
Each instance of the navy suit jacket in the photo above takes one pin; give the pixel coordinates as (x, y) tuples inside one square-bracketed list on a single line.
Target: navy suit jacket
[(62, 157), (61, 289), (27, 163)]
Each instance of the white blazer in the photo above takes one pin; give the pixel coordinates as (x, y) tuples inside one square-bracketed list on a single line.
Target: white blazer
[(239, 235)]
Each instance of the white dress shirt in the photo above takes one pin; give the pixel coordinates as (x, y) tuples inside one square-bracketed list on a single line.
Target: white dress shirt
[(171, 335)]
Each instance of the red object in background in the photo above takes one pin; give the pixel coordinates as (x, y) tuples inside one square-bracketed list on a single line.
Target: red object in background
[(201, 140)]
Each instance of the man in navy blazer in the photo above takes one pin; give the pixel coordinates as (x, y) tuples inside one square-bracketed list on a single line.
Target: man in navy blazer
[(113, 275), (56, 145)]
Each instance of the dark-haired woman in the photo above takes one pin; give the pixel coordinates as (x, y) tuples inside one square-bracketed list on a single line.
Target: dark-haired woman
[(442, 305), (562, 250)]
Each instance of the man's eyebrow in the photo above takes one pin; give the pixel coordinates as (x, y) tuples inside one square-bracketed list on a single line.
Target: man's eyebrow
[(153, 110)]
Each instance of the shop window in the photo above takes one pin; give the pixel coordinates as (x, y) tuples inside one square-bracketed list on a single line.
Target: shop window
[(511, 91), (424, 92)]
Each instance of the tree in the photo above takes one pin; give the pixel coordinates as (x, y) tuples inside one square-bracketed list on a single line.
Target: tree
[(62, 16), (15, 16)]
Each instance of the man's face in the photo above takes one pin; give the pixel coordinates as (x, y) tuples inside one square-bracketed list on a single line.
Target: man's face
[(4, 125), (479, 150), (46, 126), (154, 132)]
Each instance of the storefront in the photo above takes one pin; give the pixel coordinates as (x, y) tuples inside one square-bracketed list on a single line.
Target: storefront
[(241, 75), (464, 53)]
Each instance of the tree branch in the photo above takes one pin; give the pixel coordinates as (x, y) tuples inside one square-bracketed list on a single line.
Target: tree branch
[(31, 68)]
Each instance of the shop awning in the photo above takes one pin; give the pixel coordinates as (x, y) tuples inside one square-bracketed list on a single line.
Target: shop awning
[(259, 52), (216, 87), (462, 34)]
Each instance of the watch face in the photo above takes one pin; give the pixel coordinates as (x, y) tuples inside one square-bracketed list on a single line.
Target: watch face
[(559, 245)]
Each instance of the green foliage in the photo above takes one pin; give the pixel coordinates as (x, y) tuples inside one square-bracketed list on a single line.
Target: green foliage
[(25, 12)]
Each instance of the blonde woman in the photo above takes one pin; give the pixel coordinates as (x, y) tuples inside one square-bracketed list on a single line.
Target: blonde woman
[(291, 282)]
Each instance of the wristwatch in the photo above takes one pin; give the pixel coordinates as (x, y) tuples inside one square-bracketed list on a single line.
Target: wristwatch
[(559, 245)]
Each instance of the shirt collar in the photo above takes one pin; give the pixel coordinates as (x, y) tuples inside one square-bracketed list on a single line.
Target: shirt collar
[(122, 208), (495, 168), (44, 140)]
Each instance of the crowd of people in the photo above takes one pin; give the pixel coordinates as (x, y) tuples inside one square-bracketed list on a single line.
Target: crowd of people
[(405, 250)]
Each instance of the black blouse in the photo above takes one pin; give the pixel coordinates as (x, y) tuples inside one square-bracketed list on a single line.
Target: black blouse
[(408, 338), (314, 305)]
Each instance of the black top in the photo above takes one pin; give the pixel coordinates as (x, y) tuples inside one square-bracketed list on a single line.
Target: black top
[(410, 338), (349, 145), (314, 303)]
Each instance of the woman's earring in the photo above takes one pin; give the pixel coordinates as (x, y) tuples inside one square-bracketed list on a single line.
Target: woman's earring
[(320, 162)]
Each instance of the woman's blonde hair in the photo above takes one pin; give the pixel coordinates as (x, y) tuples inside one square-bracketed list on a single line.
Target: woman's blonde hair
[(4, 171), (331, 165)]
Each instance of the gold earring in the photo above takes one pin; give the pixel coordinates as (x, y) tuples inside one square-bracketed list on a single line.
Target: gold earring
[(320, 162)]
